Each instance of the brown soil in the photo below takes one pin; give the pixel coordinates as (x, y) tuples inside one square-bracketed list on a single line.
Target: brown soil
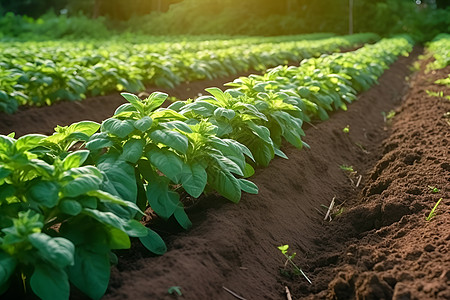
[(379, 247)]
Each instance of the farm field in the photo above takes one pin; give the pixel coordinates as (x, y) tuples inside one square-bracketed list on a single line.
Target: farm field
[(143, 156)]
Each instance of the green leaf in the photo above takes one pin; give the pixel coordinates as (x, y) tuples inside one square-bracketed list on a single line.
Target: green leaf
[(132, 150), (70, 207), (57, 251), (143, 124), (248, 186), (81, 185), (182, 218), (176, 125), (167, 162), (91, 272), (6, 191), (171, 138), (248, 171), (119, 180), (134, 100), (154, 101), (162, 200), (118, 127), (7, 267), (75, 159), (224, 112), (280, 153), (199, 107), (153, 242), (99, 141), (4, 172), (44, 193), (118, 239), (225, 183), (130, 226), (50, 283), (86, 127), (228, 164), (107, 197), (193, 179), (29, 141)]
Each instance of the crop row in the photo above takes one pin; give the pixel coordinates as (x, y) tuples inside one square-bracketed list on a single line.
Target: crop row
[(68, 199), (440, 49), (41, 73)]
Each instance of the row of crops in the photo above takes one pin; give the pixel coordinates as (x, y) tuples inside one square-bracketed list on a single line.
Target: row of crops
[(440, 49), (40, 73), (69, 199)]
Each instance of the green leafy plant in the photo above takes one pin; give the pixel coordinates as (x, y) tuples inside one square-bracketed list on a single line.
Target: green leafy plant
[(289, 259), (346, 129), (58, 222), (432, 213)]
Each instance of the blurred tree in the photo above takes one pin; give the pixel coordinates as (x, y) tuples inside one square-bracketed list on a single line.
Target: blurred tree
[(32, 8)]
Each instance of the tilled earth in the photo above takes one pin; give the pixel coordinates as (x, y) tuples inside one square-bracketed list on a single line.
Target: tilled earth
[(378, 244)]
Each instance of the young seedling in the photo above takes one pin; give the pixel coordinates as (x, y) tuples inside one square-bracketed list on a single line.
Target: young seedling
[(432, 213), (175, 290), (346, 168), (346, 129), (434, 189), (388, 116), (289, 259)]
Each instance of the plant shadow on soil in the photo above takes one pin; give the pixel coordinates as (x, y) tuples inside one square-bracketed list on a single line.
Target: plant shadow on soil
[(380, 247)]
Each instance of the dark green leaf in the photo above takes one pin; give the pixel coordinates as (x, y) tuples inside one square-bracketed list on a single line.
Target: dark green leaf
[(57, 251), (162, 200), (132, 150), (182, 218), (193, 179), (70, 207), (50, 283), (99, 141), (44, 193), (225, 183), (143, 124), (153, 242), (91, 272), (167, 162), (130, 226), (7, 267), (118, 127)]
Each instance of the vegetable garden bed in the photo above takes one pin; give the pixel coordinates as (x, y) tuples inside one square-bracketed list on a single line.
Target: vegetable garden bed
[(233, 247)]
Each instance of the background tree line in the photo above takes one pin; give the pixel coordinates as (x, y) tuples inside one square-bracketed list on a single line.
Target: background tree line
[(421, 18)]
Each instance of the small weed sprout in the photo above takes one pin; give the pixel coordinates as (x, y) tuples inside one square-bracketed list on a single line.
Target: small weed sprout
[(289, 258), (434, 189), (346, 168), (175, 290), (388, 116), (346, 129), (432, 213)]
